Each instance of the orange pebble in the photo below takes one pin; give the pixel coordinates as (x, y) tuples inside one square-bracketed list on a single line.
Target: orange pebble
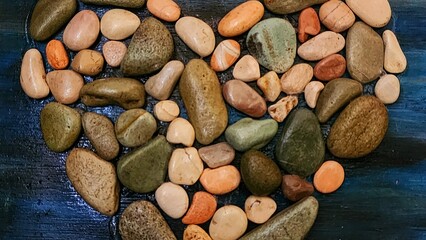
[(225, 54), (202, 208), (56, 54), (329, 177), (220, 180), (309, 23)]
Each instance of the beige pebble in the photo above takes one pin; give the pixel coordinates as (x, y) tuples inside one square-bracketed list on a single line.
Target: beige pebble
[(336, 16), (181, 131), (312, 92), (280, 110), (161, 85), (185, 166), (246, 69), (33, 75), (196, 34), (296, 78), (82, 31), (194, 232), (270, 85), (65, 85), (88, 62), (220, 180), (217, 155), (114, 52), (244, 98), (225, 54), (118, 24), (228, 223), (166, 110), (395, 61), (259, 209), (375, 13), (387, 89), (166, 10), (321, 46), (172, 199)]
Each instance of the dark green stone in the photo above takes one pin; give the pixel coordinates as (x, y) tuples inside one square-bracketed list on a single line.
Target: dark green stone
[(118, 3)]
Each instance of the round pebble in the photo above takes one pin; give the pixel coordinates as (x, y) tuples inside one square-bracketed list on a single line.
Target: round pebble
[(202, 208), (329, 177), (196, 34), (185, 166), (180, 131), (225, 54), (217, 155), (114, 52), (296, 78), (172, 199), (33, 75), (387, 89), (321, 46), (259, 209), (119, 24), (246, 69), (88, 62), (220, 180), (166, 10), (82, 31), (228, 223), (135, 127), (336, 16), (166, 110)]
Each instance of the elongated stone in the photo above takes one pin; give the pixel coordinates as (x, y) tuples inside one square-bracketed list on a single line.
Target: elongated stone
[(395, 60), (118, 3), (289, 6)]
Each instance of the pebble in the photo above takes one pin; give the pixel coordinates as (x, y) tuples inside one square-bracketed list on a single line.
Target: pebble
[(162, 84), (166, 111), (166, 10), (118, 3), (60, 126), (220, 180), (298, 219), (331, 67), (254, 167), (225, 55), (196, 34), (144, 169), (149, 50), (49, 16), (142, 220), (375, 13), (296, 188), (194, 232), (364, 53), (246, 69), (312, 92), (259, 209), (395, 61), (290, 6), (217, 155), (65, 85), (296, 78), (270, 85), (202, 208), (387, 89), (126, 92), (359, 129), (114, 52), (248, 133), (180, 131), (100, 132), (240, 19), (309, 24), (273, 43), (280, 110), (329, 177), (88, 62), (321, 46), (228, 223), (94, 179), (300, 149), (56, 55), (33, 75), (119, 24), (82, 31), (172, 199), (241, 96), (185, 166), (135, 127), (336, 16), (201, 93), (336, 94)]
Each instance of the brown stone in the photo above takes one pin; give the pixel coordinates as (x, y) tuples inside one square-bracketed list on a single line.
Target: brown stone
[(296, 188), (331, 67)]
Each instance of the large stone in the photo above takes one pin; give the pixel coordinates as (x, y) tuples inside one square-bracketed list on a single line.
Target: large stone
[(289, 6)]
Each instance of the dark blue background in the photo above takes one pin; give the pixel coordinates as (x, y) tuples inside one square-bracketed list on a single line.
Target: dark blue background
[(383, 196)]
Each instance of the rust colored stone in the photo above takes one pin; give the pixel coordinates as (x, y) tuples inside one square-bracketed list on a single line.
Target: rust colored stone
[(309, 24), (331, 67), (296, 188)]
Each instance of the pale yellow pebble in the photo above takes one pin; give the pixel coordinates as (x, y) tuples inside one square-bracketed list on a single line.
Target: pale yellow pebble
[(228, 223), (33, 75), (246, 69), (321, 46), (395, 60), (280, 110), (181, 131), (312, 92), (185, 166), (270, 85), (119, 24), (387, 89), (259, 209), (114, 52), (166, 10), (194, 232), (88, 62), (225, 54), (166, 110), (172, 199), (161, 85), (296, 78), (82, 31), (376, 13)]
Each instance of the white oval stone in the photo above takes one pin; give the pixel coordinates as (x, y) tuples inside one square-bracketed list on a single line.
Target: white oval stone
[(395, 61), (228, 223), (172, 199), (387, 89), (118, 24), (259, 209), (196, 34), (185, 166), (376, 13), (321, 46)]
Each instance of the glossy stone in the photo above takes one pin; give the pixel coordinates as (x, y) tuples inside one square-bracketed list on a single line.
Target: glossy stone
[(228, 223), (181, 131), (135, 127), (395, 60), (270, 85), (336, 16), (309, 24), (387, 89), (88, 62), (225, 54), (162, 84), (375, 13), (166, 111), (33, 75), (331, 67), (241, 19), (244, 98), (312, 92), (321, 46), (295, 188), (167, 10), (296, 78), (196, 34), (246, 69), (172, 199), (185, 166), (65, 85), (82, 31), (259, 209), (119, 24), (220, 180)]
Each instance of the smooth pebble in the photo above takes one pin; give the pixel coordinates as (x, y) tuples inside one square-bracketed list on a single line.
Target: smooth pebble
[(336, 16), (244, 98), (33, 75), (374, 13), (259, 209), (225, 54), (166, 110), (162, 84), (296, 78), (246, 69), (166, 10), (119, 24), (172, 199), (387, 89), (321, 46), (217, 155), (395, 60), (220, 180), (312, 92), (135, 127), (194, 232), (181, 131), (228, 223), (196, 34), (331, 67), (270, 85), (296, 188), (82, 31), (88, 62), (114, 52), (309, 24), (185, 166), (56, 55), (65, 85), (202, 208), (241, 18)]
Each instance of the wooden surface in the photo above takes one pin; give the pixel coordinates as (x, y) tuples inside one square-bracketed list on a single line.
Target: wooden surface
[(383, 196)]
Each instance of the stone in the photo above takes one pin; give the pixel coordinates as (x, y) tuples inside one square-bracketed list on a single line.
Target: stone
[(228, 223), (194, 232), (225, 55), (88, 62), (65, 85), (259, 209), (185, 166), (395, 60), (166, 10), (82, 31), (217, 155), (196, 34), (202, 208), (296, 78), (119, 24), (114, 52), (296, 188), (172, 199), (270, 85), (135, 127), (374, 13), (280, 110), (56, 55), (309, 24), (321, 46), (241, 96), (336, 16), (33, 75), (290, 6), (312, 92), (180, 131), (161, 85), (167, 111), (387, 89), (246, 69), (241, 18), (221, 180), (118, 3), (331, 67)]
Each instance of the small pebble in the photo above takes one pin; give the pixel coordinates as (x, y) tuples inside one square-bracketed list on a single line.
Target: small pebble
[(65, 85), (166, 110), (162, 84), (166, 10), (331, 67), (280, 110), (321, 46), (119, 24), (220, 180), (185, 166), (202, 208), (228, 223), (33, 75), (82, 31), (336, 16), (135, 127), (114, 52), (217, 155), (259, 209), (194, 232), (312, 92), (56, 55), (246, 69), (180, 131), (295, 188), (296, 78), (172, 199), (88, 62), (309, 24), (329, 177), (244, 98), (374, 13), (387, 89), (395, 61), (196, 34), (270, 85), (225, 54)]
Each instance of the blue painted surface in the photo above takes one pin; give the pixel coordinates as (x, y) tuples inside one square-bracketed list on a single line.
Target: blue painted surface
[(383, 196)]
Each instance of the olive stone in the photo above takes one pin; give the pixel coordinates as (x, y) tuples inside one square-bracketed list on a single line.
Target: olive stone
[(118, 3), (289, 6)]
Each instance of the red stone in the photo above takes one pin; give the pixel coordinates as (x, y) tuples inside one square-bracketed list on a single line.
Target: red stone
[(331, 67), (309, 24)]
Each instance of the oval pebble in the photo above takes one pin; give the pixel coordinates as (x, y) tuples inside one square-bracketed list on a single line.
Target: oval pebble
[(65, 85), (387, 89), (194, 232), (82, 31), (181, 131), (166, 10), (185, 166), (329, 177), (166, 110), (135, 127), (172, 199), (331, 67), (395, 61), (228, 223), (336, 16), (296, 78), (244, 98), (114, 52), (321, 46), (375, 13), (246, 69), (259, 209), (217, 155), (88, 62), (56, 55), (119, 24), (202, 208), (225, 54), (33, 75), (220, 180), (162, 84), (196, 34)]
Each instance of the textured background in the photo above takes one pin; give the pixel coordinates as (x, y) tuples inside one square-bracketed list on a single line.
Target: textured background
[(383, 196)]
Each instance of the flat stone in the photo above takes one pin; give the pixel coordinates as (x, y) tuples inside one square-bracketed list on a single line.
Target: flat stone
[(217, 155)]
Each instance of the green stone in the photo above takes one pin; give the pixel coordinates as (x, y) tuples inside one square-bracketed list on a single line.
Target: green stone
[(260, 174), (336, 94), (248, 133), (273, 43), (118, 3), (290, 6), (301, 148), (293, 223), (144, 169)]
